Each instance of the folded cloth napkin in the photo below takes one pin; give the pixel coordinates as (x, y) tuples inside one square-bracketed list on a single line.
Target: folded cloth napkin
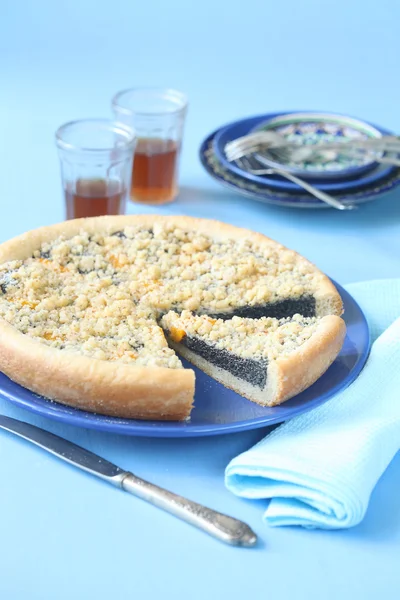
[(321, 467)]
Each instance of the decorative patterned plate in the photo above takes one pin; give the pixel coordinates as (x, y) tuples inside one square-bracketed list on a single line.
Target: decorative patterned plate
[(268, 195), (234, 130), (313, 128), (217, 409)]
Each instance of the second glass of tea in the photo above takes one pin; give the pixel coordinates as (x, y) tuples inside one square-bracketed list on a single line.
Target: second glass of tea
[(96, 166), (157, 116)]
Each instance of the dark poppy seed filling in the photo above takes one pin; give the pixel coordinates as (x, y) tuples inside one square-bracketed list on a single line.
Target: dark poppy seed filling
[(304, 305), (247, 369), (6, 280)]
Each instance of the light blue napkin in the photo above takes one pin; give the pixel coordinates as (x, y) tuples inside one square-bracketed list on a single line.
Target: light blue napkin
[(321, 467)]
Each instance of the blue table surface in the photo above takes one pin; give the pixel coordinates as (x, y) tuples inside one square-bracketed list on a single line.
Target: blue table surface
[(64, 534)]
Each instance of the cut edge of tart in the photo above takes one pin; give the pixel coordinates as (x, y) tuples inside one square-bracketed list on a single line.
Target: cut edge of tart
[(267, 361), (125, 390)]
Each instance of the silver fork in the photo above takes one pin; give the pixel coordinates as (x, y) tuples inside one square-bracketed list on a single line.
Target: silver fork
[(247, 164), (264, 140), (250, 143), (298, 154)]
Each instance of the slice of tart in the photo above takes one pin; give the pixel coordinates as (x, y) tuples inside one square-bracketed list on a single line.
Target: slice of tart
[(265, 360)]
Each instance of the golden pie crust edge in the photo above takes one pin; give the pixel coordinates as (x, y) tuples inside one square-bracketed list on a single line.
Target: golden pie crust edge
[(117, 389)]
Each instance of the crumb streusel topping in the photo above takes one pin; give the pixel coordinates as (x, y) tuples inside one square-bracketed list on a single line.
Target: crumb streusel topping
[(101, 295), (265, 338)]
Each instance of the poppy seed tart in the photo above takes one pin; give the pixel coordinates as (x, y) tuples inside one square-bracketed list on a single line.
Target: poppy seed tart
[(81, 305)]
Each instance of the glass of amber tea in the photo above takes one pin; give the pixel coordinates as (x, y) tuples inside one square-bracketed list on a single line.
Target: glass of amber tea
[(157, 116), (96, 158)]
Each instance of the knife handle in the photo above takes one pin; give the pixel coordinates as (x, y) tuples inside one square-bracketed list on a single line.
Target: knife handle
[(220, 526)]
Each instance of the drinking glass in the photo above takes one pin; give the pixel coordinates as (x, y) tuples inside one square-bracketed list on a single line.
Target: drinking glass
[(157, 116), (96, 166)]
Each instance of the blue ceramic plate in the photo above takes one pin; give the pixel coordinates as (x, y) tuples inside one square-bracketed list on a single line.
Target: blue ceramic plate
[(312, 128), (267, 195), (217, 409), (234, 130)]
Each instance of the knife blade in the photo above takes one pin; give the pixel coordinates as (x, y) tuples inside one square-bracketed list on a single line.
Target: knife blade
[(221, 526), (68, 451)]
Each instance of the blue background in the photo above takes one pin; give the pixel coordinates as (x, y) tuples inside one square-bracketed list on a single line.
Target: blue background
[(63, 534)]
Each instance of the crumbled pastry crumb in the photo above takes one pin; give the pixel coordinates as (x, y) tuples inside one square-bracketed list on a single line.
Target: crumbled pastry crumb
[(265, 338), (101, 295)]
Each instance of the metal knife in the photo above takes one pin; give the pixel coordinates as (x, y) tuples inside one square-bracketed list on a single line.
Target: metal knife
[(220, 526)]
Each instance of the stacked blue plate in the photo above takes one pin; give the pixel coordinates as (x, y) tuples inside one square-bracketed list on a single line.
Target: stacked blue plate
[(350, 179)]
